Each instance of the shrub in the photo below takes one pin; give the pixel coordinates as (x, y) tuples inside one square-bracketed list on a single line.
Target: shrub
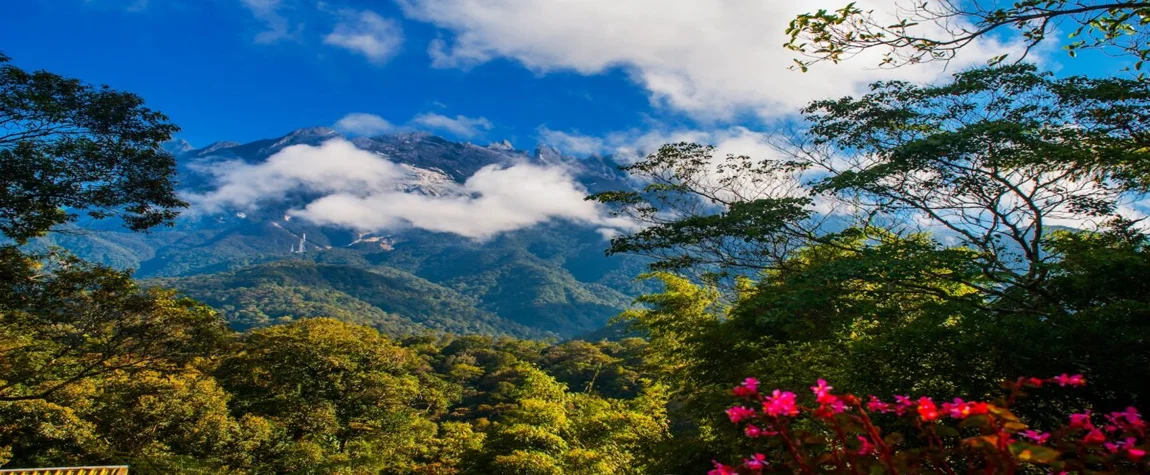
[(844, 434)]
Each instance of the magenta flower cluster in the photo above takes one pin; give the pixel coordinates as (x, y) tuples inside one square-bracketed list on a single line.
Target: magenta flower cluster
[(852, 442)]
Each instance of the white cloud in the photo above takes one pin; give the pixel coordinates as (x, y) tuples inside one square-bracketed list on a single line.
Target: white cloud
[(462, 126), (632, 145), (268, 12), (495, 200), (572, 143), (367, 33), (710, 59), (364, 191), (334, 166), (360, 123)]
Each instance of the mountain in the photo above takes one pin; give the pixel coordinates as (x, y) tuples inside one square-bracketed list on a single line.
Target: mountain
[(548, 280), (386, 298)]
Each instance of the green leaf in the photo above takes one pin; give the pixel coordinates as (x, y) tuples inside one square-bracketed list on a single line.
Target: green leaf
[(1027, 452)]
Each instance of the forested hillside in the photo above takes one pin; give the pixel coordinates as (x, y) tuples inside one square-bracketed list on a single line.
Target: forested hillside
[(391, 300)]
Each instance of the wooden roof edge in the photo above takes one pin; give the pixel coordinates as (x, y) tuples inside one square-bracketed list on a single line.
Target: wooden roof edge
[(86, 467)]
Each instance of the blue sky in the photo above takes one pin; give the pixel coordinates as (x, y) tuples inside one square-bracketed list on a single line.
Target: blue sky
[(588, 76), (201, 65)]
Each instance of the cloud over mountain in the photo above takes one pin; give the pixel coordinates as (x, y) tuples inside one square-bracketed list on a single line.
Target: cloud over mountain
[(361, 190), (459, 125), (361, 123)]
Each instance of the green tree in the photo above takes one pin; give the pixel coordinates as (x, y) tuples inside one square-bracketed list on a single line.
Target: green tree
[(592, 368), (93, 367), (552, 431), (63, 321), (164, 423), (46, 434), (937, 30), (703, 216), (1097, 319), (455, 449), (993, 159), (345, 398), (69, 147)]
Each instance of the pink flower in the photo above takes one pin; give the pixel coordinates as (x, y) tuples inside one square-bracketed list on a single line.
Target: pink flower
[(903, 404), (753, 431), (1095, 436), (1115, 447), (867, 448), (756, 462), (1036, 382), (876, 405), (1129, 419), (1135, 454), (721, 469), (960, 409), (927, 410), (780, 403), (1064, 380), (1081, 421), (823, 392), (1035, 436), (827, 411), (738, 413), (749, 388)]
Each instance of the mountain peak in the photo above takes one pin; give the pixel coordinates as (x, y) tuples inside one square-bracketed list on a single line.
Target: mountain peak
[(503, 145), (410, 136), (177, 146), (313, 132), (305, 136), (548, 154), (218, 145)]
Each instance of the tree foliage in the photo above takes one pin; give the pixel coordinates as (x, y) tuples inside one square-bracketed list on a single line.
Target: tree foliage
[(63, 321), (937, 30), (69, 147), (994, 160)]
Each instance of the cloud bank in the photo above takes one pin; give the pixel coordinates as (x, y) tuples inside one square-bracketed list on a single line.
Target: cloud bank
[(461, 126), (364, 191), (711, 60)]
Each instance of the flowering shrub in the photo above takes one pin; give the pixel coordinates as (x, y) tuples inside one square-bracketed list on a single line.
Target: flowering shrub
[(839, 434)]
